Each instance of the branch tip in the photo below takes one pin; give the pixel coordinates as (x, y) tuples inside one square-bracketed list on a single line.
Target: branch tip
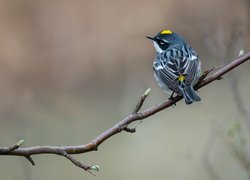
[(241, 53), (141, 100), (130, 130), (147, 92), (30, 160), (20, 142), (94, 168)]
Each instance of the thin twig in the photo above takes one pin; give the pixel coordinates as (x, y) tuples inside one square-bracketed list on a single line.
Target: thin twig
[(30, 160), (75, 161), (141, 101), (132, 130), (137, 108), (12, 148)]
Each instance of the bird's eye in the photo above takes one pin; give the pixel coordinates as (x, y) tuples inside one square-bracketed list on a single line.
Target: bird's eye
[(162, 42)]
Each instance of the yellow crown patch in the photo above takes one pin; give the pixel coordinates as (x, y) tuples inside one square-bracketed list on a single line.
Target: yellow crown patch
[(167, 31)]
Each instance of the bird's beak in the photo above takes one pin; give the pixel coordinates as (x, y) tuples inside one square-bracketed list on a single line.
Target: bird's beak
[(151, 38)]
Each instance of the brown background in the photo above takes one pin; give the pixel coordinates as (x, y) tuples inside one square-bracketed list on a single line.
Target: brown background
[(71, 69)]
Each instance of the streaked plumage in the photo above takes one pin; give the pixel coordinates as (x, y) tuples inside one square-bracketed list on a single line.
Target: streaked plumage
[(176, 65)]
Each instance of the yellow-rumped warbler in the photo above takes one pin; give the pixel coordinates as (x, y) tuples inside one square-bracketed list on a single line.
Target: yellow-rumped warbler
[(176, 65)]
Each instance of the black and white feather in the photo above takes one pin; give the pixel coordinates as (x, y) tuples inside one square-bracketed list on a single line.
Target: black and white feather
[(177, 60)]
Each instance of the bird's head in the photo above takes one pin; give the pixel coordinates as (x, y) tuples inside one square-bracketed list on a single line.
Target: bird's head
[(165, 39)]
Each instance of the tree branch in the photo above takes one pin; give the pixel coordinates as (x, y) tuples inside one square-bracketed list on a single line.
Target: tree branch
[(66, 151)]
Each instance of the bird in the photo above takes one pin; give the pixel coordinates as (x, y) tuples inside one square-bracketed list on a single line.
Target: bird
[(176, 66)]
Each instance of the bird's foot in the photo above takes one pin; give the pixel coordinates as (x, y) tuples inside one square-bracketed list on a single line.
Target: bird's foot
[(171, 98)]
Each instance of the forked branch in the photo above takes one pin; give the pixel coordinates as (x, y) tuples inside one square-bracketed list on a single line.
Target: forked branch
[(67, 151)]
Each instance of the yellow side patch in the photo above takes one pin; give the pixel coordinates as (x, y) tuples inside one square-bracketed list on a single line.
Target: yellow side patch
[(181, 78), (167, 31)]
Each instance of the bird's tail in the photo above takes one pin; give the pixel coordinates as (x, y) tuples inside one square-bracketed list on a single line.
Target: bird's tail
[(190, 95)]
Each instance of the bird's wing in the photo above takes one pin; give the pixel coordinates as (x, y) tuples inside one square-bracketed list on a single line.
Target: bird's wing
[(165, 69), (191, 66), (174, 62)]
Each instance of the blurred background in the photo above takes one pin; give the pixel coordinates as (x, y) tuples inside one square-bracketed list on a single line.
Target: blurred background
[(72, 69)]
